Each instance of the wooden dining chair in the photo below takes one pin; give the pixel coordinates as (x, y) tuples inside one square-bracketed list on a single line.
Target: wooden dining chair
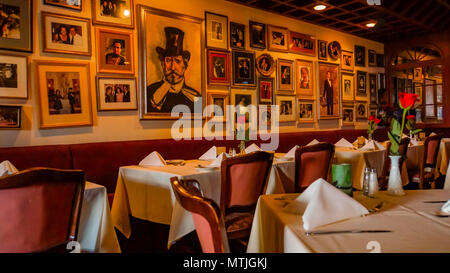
[(311, 163), (206, 214), (40, 209), (402, 150), (424, 175), (244, 178)]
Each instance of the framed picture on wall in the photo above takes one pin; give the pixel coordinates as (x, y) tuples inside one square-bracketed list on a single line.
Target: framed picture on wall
[(418, 90), (257, 32), (322, 50), (115, 13), (334, 50), (277, 38), (115, 51), (64, 94), (177, 39), (243, 98), (70, 4), (17, 25), (361, 109), (380, 60), (373, 88), (361, 90), (348, 87), (304, 79), (220, 100), (306, 111), (10, 117), (237, 35), (285, 75), (265, 64), (329, 83), (347, 62), (116, 93), (216, 30), (266, 90), (218, 67), (302, 43), (66, 34), (360, 56), (243, 68), (13, 77), (286, 105), (372, 57), (348, 114)]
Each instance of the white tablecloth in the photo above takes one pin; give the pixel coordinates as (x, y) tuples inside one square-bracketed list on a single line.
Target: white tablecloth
[(96, 232), (146, 193), (275, 230)]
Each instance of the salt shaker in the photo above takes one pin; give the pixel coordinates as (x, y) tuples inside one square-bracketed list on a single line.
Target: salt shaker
[(366, 181), (373, 184)]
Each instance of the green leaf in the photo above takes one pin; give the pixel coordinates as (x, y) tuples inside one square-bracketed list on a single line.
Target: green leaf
[(416, 131), (394, 144), (396, 127)]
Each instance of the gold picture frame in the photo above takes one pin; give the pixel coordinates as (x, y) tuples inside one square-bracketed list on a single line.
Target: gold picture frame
[(123, 18), (347, 60), (304, 79), (348, 86), (306, 111), (115, 51), (348, 114), (221, 99), (277, 38), (285, 75)]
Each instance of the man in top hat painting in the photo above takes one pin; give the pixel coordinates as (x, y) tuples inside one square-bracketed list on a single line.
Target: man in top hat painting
[(172, 90)]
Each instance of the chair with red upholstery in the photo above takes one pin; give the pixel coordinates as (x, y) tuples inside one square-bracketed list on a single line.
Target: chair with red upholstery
[(40, 209), (206, 214), (402, 150), (425, 174), (244, 178), (311, 163)]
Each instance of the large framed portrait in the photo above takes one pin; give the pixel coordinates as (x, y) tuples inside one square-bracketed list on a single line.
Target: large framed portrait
[(266, 91), (361, 81), (116, 93), (17, 25), (13, 77), (171, 63), (322, 50), (115, 51), (302, 43), (360, 56), (244, 68), (347, 62), (64, 94), (361, 109), (373, 88), (348, 114), (237, 36), (286, 105), (277, 38), (265, 64), (70, 4), (116, 13), (372, 57), (285, 75), (257, 32), (66, 34), (220, 100), (218, 67), (348, 87), (216, 30), (329, 91), (306, 111), (10, 117), (304, 79), (334, 50)]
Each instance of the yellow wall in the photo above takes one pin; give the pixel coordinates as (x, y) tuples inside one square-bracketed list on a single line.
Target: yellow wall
[(125, 125)]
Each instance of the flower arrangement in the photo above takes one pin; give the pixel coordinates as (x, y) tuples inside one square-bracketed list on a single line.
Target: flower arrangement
[(406, 103), (372, 125)]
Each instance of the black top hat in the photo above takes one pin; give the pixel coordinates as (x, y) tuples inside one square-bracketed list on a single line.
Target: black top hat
[(174, 44)]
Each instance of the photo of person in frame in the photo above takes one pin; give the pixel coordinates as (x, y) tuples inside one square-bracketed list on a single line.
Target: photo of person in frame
[(8, 75), (237, 35), (220, 102), (285, 108), (285, 74), (244, 69), (219, 67), (304, 77), (348, 115), (10, 21), (115, 57)]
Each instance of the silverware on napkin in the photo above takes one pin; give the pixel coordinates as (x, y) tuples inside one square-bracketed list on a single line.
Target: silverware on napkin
[(321, 232)]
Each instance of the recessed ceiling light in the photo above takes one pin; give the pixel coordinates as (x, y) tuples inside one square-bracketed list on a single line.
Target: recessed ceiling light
[(320, 7), (370, 24)]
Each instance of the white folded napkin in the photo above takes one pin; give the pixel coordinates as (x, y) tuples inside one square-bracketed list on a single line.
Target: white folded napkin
[(252, 148), (414, 142), (314, 142), (153, 159), (322, 203), (218, 161), (343, 143), (446, 207), (211, 154), (372, 146), (7, 168), (432, 134), (291, 152)]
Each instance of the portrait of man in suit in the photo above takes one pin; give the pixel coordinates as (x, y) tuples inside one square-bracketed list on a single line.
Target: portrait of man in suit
[(328, 93), (172, 89)]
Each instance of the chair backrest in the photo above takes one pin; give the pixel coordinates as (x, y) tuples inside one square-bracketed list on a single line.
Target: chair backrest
[(431, 150), (40, 209), (244, 178), (311, 163), (206, 214)]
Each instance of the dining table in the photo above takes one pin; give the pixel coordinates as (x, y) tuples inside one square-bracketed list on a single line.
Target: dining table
[(408, 222)]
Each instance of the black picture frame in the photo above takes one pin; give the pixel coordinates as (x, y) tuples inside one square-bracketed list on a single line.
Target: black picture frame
[(360, 56), (380, 60), (257, 35), (7, 114), (361, 83), (322, 52), (372, 57), (243, 77), (237, 36), (373, 88)]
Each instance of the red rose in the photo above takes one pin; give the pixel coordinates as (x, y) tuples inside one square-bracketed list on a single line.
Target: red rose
[(407, 100), (410, 117), (371, 118), (377, 120)]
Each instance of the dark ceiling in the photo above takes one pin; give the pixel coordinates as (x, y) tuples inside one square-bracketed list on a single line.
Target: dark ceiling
[(395, 18)]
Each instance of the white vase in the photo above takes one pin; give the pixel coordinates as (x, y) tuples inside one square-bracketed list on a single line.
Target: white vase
[(395, 186)]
